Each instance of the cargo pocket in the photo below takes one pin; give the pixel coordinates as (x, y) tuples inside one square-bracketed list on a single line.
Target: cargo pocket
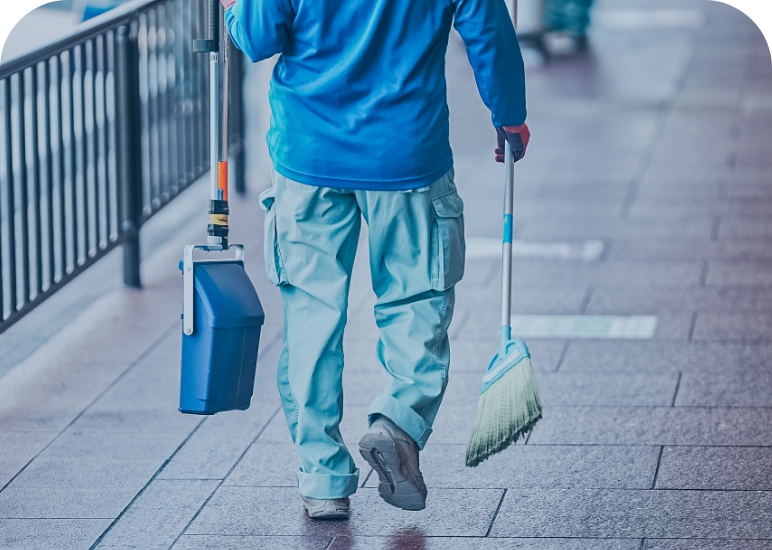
[(274, 267), (448, 248)]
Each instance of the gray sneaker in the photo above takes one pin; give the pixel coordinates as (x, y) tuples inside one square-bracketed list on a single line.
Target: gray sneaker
[(326, 509), (394, 455)]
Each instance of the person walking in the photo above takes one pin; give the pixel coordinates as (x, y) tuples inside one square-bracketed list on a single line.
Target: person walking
[(359, 129), (568, 19)]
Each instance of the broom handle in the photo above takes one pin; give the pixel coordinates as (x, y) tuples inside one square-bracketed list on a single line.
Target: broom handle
[(505, 332), (226, 85), (506, 256), (214, 97)]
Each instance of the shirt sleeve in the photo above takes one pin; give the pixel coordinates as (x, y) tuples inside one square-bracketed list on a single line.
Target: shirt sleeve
[(494, 53), (260, 28)]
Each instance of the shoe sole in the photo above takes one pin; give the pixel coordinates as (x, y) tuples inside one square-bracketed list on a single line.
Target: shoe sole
[(324, 516), (327, 516), (397, 487)]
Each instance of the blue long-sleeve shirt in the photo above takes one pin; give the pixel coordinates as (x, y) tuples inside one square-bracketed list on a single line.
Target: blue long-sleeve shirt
[(358, 95)]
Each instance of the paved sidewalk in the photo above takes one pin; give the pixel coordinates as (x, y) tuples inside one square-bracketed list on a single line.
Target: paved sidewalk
[(656, 143)]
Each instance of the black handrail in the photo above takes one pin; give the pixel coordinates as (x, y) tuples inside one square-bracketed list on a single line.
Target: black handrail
[(84, 31), (99, 130)]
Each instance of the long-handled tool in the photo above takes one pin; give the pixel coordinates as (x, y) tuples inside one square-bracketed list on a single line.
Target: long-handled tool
[(221, 312), (509, 403), (217, 232)]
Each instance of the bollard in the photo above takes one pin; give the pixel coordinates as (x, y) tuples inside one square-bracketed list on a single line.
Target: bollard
[(129, 148)]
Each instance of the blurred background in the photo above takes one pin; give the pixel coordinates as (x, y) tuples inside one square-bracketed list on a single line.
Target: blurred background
[(642, 284)]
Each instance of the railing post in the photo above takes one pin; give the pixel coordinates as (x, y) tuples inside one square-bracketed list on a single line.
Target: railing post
[(237, 120), (129, 150)]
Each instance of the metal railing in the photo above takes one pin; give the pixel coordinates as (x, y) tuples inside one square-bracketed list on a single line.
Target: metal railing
[(98, 132)]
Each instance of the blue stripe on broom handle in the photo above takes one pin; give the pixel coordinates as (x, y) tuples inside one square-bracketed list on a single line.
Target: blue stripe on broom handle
[(507, 228)]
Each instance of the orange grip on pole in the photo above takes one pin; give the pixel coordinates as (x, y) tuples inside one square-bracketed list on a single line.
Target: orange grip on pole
[(222, 180)]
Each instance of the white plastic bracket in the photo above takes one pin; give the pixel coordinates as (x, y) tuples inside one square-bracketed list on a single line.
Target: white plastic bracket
[(188, 264)]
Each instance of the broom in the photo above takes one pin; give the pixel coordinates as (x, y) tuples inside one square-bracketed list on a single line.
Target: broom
[(509, 405)]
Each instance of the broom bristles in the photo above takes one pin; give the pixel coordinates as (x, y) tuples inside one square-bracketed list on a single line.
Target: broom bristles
[(507, 410)]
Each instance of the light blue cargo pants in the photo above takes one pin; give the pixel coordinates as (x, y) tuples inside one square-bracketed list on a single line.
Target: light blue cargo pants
[(416, 242)]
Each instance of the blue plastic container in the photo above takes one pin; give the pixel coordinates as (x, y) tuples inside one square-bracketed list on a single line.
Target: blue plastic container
[(220, 358)]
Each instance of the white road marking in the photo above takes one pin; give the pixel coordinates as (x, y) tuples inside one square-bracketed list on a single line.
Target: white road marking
[(634, 327), (665, 18), (482, 248)]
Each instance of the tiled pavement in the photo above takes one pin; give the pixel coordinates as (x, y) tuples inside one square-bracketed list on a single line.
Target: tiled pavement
[(658, 143)]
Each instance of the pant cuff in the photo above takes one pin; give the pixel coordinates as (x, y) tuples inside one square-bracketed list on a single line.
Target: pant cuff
[(326, 486), (403, 416)]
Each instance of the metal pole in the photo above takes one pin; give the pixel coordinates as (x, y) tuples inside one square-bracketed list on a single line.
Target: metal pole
[(217, 230), (506, 276), (237, 93), (129, 150), (214, 97), (514, 13), (214, 122), (225, 93)]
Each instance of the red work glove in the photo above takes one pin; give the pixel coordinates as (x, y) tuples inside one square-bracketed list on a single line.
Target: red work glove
[(518, 138), (227, 3)]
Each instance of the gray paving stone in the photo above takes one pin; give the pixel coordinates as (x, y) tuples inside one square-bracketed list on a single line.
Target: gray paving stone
[(664, 356), (87, 473), (736, 387), (114, 342), (127, 446), (159, 515), (454, 423), (146, 396), (359, 354), (65, 502), (675, 248), (605, 188), (740, 273), (746, 326), (720, 468), (217, 444), (162, 418), (635, 514), (726, 208), (581, 226), (64, 387), (706, 544), (654, 426), (747, 190), (599, 388), (678, 187), (277, 432), (651, 300), (526, 299), (610, 273), (270, 465), (360, 387), (275, 465), (226, 542), (273, 511), (547, 466), (540, 209), (412, 539), (17, 449), (748, 227), (45, 534)]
